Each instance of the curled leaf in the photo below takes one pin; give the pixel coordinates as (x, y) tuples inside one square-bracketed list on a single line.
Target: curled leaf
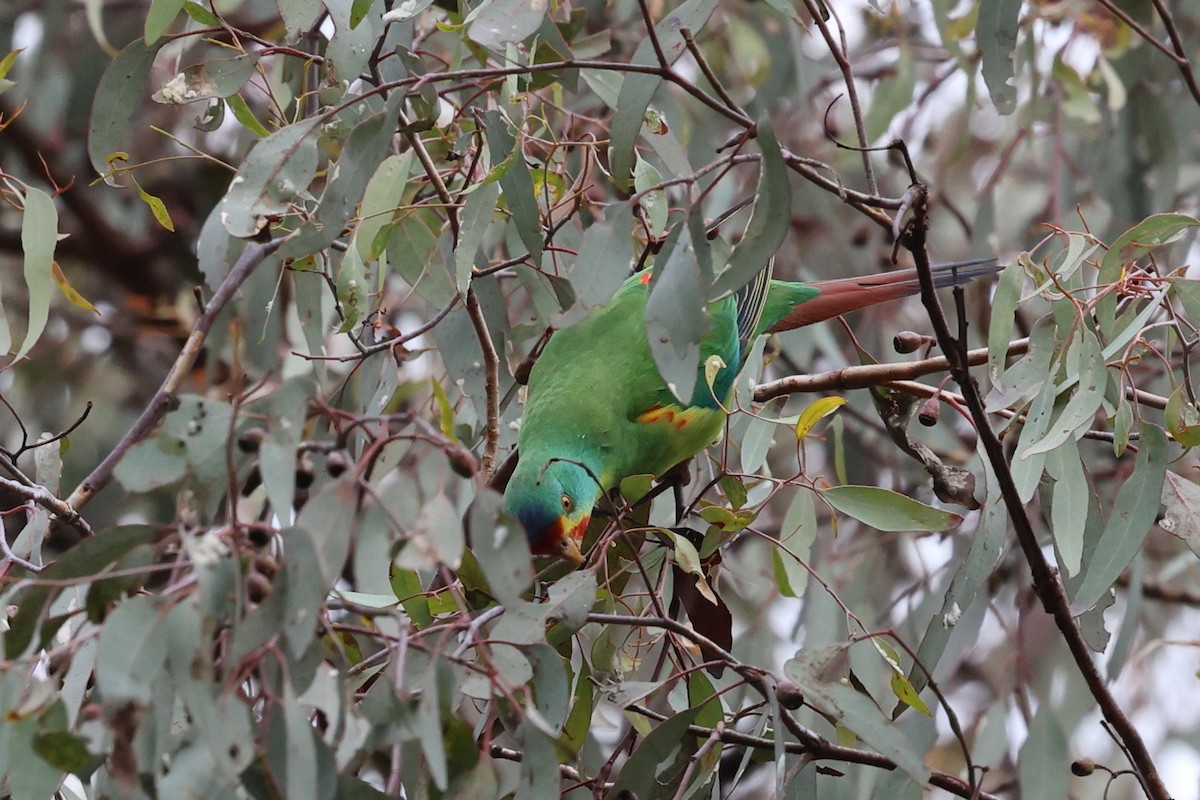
[(816, 412)]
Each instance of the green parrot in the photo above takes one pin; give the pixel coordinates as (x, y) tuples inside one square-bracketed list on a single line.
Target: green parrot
[(597, 410)]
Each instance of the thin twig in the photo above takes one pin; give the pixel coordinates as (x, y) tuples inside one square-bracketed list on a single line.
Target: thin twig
[(1180, 57), (839, 55), (565, 770), (711, 76), (1176, 52), (395, 341), (653, 35), (431, 171), (491, 377), (833, 752)]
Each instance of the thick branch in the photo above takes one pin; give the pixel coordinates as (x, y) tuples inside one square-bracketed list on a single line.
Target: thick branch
[(868, 375), (1046, 582), (46, 499)]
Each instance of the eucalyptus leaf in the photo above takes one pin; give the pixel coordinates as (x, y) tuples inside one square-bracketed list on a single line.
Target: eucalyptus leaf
[(1181, 510), (996, 34), (769, 223), (796, 536), (132, 650), (502, 550), (380, 201), (1043, 757), (218, 78), (355, 167), (476, 216), (639, 776), (677, 318), (886, 510), (1152, 232), (496, 23), (1084, 403), (273, 175), (605, 257), (39, 234), (637, 89), (516, 184), (118, 95), (855, 711), (1069, 508), (1129, 521)]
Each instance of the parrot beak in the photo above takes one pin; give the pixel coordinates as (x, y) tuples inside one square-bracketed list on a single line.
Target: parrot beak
[(568, 549), (569, 537)]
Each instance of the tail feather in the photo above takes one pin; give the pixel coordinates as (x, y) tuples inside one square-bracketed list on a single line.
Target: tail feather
[(843, 295), (751, 299)]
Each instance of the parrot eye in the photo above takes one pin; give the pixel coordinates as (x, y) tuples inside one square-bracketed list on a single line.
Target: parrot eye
[(567, 503)]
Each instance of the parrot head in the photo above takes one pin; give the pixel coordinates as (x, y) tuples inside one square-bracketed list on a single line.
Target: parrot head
[(554, 503)]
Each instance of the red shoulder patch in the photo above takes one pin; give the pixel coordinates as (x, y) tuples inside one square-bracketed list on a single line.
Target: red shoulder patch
[(661, 413)]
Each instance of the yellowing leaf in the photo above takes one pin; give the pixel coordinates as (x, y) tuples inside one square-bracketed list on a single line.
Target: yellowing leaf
[(906, 694), (727, 520), (445, 411), (817, 412), (60, 280), (712, 366), (7, 62), (901, 687), (1182, 419), (157, 207), (721, 517)]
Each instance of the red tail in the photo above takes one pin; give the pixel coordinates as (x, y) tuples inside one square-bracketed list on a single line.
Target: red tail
[(843, 295)]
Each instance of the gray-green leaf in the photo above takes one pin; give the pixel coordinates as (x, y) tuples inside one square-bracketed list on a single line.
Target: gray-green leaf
[(885, 510), (274, 173), (39, 233), (1133, 513)]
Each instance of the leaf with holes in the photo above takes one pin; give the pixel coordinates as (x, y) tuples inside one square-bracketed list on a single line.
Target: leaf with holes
[(276, 171)]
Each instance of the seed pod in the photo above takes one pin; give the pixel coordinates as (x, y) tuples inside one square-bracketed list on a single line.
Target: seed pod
[(930, 411), (789, 694), (909, 341), (250, 440), (336, 462)]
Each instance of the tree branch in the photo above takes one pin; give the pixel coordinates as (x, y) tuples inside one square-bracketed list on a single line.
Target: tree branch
[(810, 742), (867, 375), (1046, 582), (164, 399), (491, 376)]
